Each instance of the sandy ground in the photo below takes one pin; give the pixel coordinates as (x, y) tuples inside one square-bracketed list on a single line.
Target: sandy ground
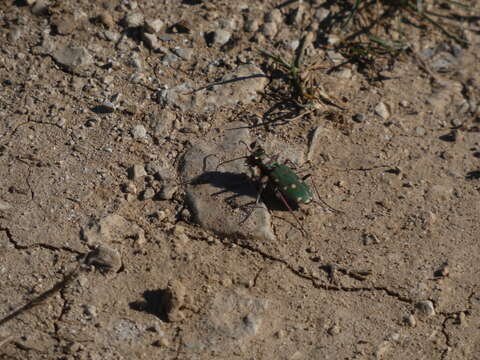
[(101, 133)]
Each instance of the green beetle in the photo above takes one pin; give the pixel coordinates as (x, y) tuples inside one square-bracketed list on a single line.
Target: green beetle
[(287, 185), (289, 188)]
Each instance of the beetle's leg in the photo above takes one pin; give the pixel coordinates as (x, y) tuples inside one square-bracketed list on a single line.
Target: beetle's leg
[(263, 185), (279, 194)]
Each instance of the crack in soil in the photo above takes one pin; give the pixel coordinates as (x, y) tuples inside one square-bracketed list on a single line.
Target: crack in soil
[(324, 286), (18, 246), (453, 315)]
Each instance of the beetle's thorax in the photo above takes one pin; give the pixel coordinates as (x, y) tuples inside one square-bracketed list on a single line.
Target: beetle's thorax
[(263, 161)]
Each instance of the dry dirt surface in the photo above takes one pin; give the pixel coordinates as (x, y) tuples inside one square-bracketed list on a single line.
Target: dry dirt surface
[(121, 236)]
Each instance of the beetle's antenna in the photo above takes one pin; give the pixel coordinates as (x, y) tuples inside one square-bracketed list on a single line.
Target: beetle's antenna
[(226, 162), (244, 143), (323, 201)]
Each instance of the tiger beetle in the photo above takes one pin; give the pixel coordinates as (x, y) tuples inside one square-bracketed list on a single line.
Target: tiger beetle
[(288, 187)]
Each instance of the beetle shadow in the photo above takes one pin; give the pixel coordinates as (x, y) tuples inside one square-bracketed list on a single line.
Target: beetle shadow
[(241, 185)]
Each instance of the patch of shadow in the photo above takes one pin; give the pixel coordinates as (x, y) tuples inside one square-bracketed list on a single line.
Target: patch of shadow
[(242, 185), (102, 109), (20, 3), (192, 2), (473, 175), (450, 137), (156, 302), (475, 154)]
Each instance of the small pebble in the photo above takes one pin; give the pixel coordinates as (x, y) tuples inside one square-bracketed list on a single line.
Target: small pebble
[(90, 311), (111, 35), (456, 122), (252, 323), (269, 29), (15, 33), (321, 14), (153, 167), (139, 132), (295, 16), (462, 318), (359, 118), (442, 271), (128, 188), (370, 239), (151, 41), (410, 320), (105, 258), (420, 131), (184, 53), (106, 19), (425, 308), (251, 25), (153, 25), (134, 20), (162, 342), (40, 8), (137, 171), (334, 330), (226, 281), (64, 24), (274, 16), (72, 57), (148, 193), (382, 111), (168, 191), (4, 205), (221, 37), (186, 215)]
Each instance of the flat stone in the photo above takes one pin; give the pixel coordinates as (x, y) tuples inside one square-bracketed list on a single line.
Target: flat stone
[(72, 57), (225, 212), (109, 229)]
